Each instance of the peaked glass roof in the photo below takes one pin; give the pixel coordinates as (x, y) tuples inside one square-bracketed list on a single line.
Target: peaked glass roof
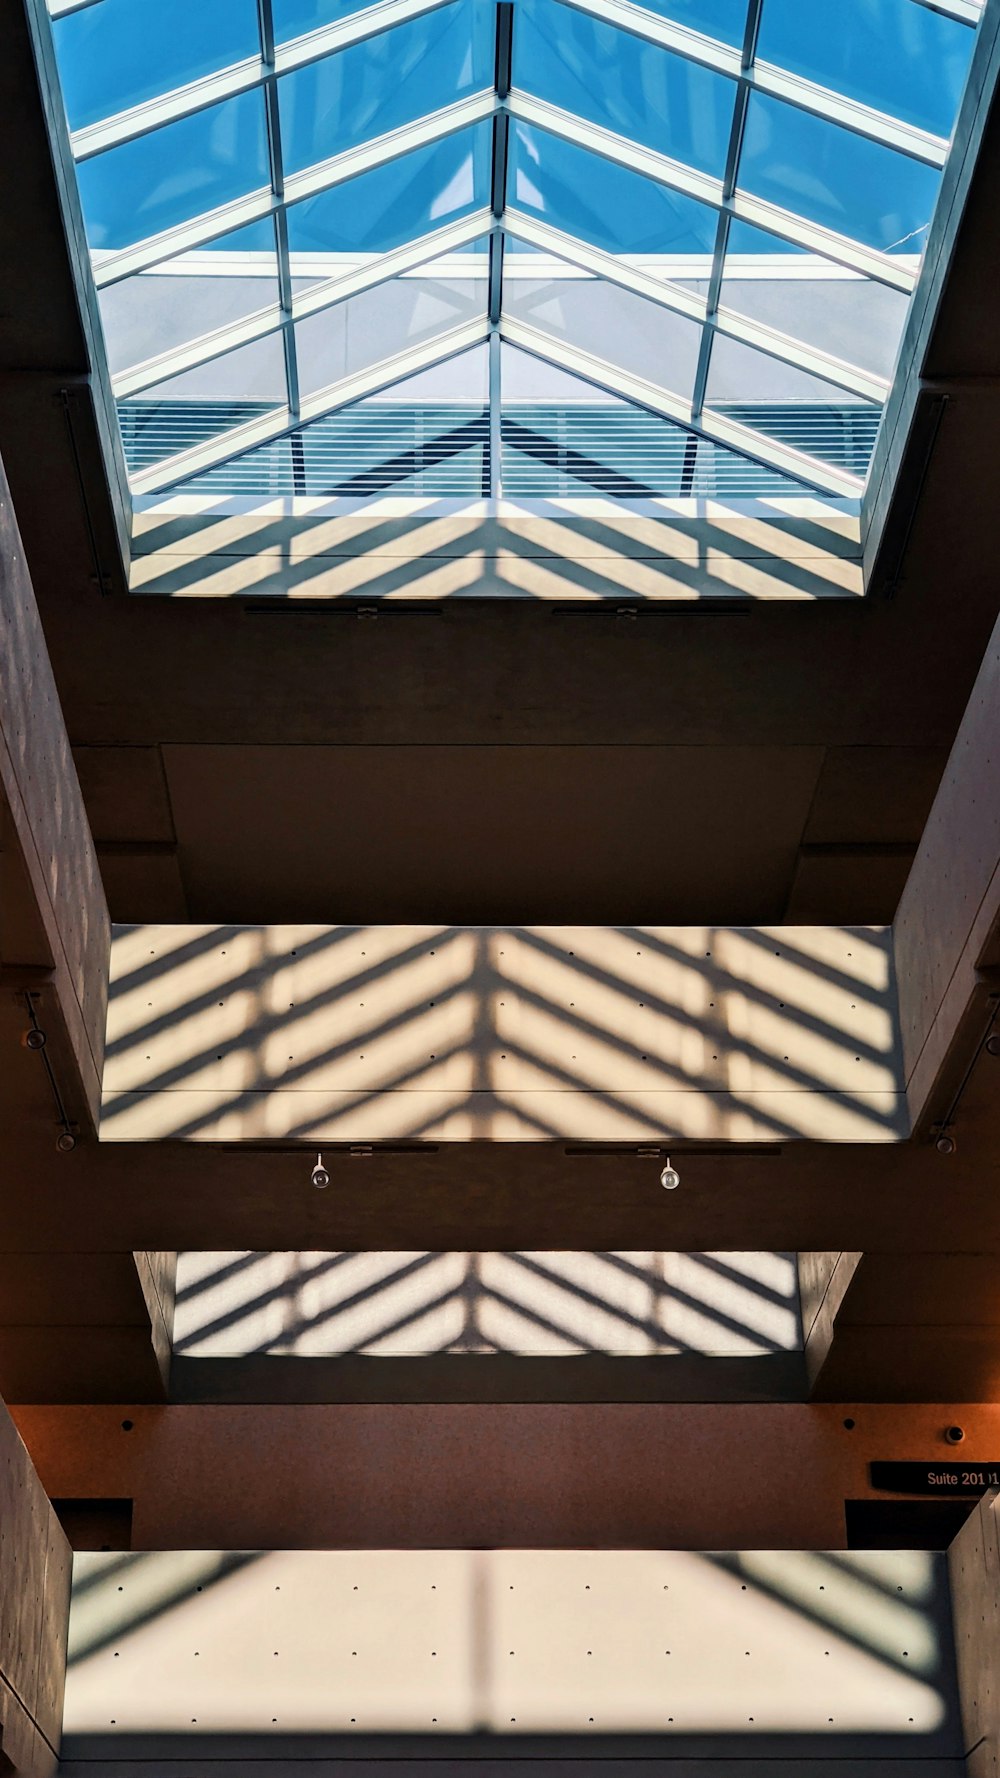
[(651, 229)]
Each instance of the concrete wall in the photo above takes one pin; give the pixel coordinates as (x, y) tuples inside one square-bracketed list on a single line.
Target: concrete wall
[(945, 937), (546, 1326), (690, 550), (974, 1567), (35, 1567), (54, 930), (559, 1474)]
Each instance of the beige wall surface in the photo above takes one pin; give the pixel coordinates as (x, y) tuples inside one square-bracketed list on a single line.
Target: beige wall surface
[(510, 1034), (509, 1643), (554, 1303)]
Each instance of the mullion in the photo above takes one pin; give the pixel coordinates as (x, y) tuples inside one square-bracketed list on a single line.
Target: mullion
[(277, 170), (740, 104)]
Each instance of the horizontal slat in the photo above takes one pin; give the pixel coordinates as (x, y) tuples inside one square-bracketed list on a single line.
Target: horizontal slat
[(277, 422)]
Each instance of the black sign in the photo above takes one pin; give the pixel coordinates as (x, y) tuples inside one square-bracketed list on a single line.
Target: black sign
[(935, 1478)]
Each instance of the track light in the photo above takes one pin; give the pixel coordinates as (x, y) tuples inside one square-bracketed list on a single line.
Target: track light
[(319, 1175), (670, 1178)]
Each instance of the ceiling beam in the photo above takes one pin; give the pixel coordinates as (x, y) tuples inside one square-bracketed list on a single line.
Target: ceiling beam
[(734, 150)]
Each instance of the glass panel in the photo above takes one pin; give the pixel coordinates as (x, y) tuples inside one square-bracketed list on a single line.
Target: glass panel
[(626, 330), (186, 410), (385, 448), (525, 378), (399, 201), (898, 57), (114, 55), (786, 404), (562, 437), (428, 436), (184, 298), (849, 317), (603, 203), (175, 173), (831, 176), (464, 378), (724, 19), (379, 323), (615, 80), (293, 18), (741, 373), (385, 82)]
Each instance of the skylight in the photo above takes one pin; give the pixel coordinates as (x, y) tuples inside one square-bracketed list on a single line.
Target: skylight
[(535, 247)]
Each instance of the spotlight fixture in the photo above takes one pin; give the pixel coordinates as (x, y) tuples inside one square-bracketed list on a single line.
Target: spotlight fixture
[(670, 1178), (319, 1175)]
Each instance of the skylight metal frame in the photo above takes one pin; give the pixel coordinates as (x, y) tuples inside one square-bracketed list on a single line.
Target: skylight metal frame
[(273, 319), (766, 77), (275, 424), (246, 76), (713, 319), (505, 105), (708, 189), (657, 400), (322, 176)]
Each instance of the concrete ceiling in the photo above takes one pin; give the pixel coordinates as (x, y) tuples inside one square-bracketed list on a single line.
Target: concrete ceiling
[(495, 763)]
